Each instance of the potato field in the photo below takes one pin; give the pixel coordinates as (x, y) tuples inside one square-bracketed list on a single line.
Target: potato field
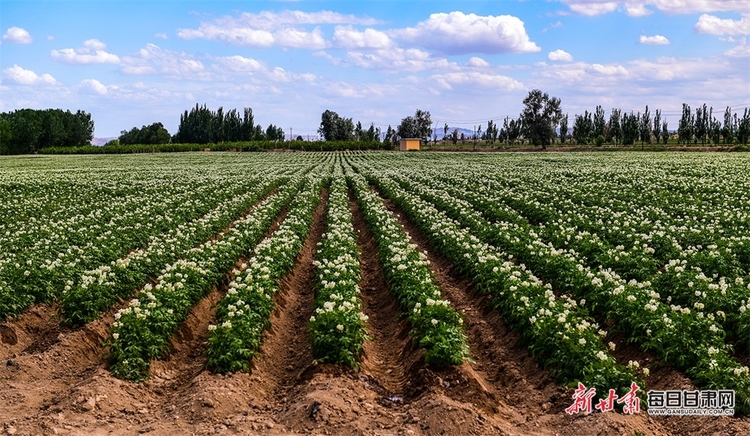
[(373, 293)]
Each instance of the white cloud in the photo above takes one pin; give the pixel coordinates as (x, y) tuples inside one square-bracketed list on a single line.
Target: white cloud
[(240, 64), (258, 38), (591, 8), (296, 38), (637, 8), (742, 50), (94, 86), (653, 40), (258, 70), (717, 26), (555, 25), (398, 59), (478, 62), (559, 56), (349, 38), (270, 19), (459, 33), (476, 79), (155, 60), (267, 29), (17, 35), (94, 44), (608, 70), (161, 35), (92, 52), (243, 36), (28, 77)]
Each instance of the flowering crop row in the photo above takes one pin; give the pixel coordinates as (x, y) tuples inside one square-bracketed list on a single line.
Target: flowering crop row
[(141, 331), (243, 314), (726, 299), (687, 339), (96, 290), (39, 272), (435, 325), (558, 331), (337, 328)]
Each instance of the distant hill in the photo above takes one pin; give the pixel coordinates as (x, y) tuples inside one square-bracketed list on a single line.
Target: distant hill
[(439, 132), (101, 141)]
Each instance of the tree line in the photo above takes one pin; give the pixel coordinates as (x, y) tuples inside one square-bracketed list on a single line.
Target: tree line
[(202, 126), (541, 119), (540, 123), (29, 130)]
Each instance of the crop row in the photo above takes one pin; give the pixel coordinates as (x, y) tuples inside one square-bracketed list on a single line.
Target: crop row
[(337, 328), (243, 313), (690, 340), (436, 326), (96, 290), (142, 330), (558, 330)]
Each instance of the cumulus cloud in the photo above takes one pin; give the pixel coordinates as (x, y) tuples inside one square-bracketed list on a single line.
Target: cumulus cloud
[(240, 64), (258, 38), (608, 70), (296, 38), (653, 40), (717, 26), (17, 35), (267, 29), (591, 8), (398, 59), (161, 35), (92, 52), (27, 77), (478, 62), (637, 8), (477, 79), (95, 86), (559, 56), (153, 59), (459, 33), (347, 37), (740, 51), (555, 25)]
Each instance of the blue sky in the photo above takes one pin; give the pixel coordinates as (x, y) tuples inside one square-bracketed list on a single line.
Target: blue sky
[(137, 62)]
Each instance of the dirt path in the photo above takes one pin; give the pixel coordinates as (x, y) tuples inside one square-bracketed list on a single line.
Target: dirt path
[(388, 357)]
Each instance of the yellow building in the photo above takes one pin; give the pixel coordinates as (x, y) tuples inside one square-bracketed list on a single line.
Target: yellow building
[(409, 144)]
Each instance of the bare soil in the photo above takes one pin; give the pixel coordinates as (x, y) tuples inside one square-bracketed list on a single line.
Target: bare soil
[(55, 380)]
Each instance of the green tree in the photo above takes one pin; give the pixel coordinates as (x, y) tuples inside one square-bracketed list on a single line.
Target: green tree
[(335, 128), (564, 129), (583, 128), (417, 126), (153, 134), (702, 122), (657, 125), (644, 127), (728, 131), (685, 127), (614, 130), (539, 117), (630, 128), (599, 124)]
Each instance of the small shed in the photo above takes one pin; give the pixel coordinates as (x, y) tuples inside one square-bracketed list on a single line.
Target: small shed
[(407, 144)]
